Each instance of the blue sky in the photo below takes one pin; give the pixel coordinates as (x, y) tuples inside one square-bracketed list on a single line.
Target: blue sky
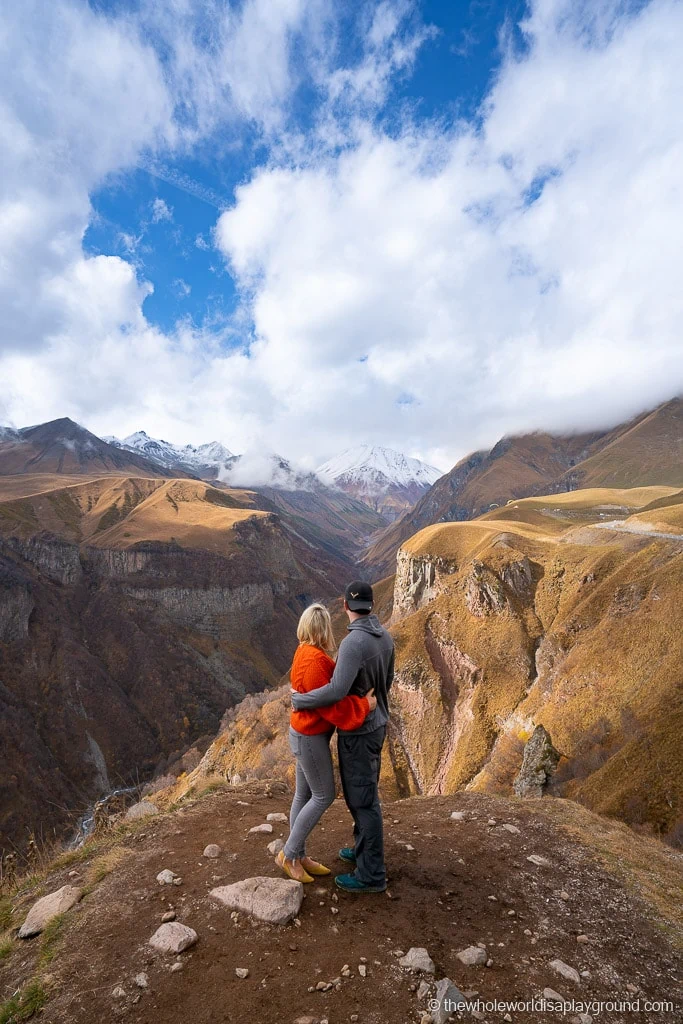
[(290, 225), (175, 252)]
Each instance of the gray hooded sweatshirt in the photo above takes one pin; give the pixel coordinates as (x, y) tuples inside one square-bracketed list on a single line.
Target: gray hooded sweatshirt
[(366, 660)]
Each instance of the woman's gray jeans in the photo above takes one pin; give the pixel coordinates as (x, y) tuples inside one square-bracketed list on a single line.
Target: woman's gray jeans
[(315, 789)]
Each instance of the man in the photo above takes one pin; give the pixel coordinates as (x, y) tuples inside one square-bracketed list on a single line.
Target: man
[(365, 662)]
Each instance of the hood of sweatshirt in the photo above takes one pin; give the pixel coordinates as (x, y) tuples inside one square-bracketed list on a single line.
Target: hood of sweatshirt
[(367, 624)]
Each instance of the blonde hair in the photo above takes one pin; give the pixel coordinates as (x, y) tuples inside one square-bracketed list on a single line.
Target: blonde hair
[(315, 628)]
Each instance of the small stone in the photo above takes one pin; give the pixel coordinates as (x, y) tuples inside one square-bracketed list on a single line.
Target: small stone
[(362, 970), (334, 910), (494, 899), (512, 829), (473, 956), (585, 974), (540, 862), (563, 895), (242, 972), (423, 990), (321, 986), (166, 877), (507, 1017), (491, 821), (565, 971), (173, 937), (176, 967), (458, 815), (633, 989), (118, 993), (553, 996), (141, 980), (177, 880), (353, 1018), (489, 962), (275, 847), (418, 959), (276, 816), (73, 874), (582, 938), (168, 916), (212, 850), (261, 828)]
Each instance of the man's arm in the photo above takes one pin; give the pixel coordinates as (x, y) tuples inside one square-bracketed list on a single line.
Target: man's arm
[(347, 668)]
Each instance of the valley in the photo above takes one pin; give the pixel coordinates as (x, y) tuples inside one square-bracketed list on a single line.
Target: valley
[(148, 620)]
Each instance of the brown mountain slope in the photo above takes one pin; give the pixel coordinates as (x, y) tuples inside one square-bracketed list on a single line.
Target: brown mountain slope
[(62, 446), (546, 613), (647, 450), (514, 468)]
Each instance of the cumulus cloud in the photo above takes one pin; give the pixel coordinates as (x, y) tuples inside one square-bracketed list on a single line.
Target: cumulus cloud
[(424, 288)]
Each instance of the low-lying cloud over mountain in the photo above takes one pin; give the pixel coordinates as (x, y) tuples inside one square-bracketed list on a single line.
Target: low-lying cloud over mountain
[(399, 278)]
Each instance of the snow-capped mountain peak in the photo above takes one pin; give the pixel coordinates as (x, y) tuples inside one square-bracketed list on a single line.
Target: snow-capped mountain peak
[(212, 456), (386, 479), (374, 464)]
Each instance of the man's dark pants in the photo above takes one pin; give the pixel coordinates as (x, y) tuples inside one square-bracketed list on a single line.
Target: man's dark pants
[(359, 766)]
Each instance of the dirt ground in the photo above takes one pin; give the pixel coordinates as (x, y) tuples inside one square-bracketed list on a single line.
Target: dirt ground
[(465, 882)]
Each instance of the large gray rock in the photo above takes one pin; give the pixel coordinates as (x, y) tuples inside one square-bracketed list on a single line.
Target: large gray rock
[(42, 912), (275, 900), (173, 937), (447, 999), (538, 764), (143, 809), (418, 959)]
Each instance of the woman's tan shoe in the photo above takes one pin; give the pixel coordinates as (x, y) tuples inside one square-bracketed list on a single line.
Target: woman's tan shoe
[(314, 867), (286, 866)]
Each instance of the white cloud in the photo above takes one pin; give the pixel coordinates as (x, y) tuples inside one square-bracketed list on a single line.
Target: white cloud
[(161, 211), (182, 288), (397, 287)]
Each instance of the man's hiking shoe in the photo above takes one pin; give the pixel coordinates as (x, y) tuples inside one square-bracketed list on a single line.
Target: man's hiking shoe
[(348, 854), (349, 883)]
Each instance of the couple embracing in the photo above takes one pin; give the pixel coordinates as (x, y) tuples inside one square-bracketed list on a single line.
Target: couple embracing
[(350, 694)]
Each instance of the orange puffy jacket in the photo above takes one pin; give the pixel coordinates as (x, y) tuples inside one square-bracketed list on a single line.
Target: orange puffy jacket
[(310, 669)]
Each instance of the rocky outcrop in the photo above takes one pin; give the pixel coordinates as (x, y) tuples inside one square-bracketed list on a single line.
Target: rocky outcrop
[(538, 764), (484, 592), (418, 580)]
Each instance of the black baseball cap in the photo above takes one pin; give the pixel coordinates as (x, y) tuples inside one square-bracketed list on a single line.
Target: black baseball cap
[(359, 596)]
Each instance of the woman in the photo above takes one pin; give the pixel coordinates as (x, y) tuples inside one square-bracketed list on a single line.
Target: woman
[(309, 739)]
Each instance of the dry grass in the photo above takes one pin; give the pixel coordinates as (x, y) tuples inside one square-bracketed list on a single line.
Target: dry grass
[(101, 866)]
